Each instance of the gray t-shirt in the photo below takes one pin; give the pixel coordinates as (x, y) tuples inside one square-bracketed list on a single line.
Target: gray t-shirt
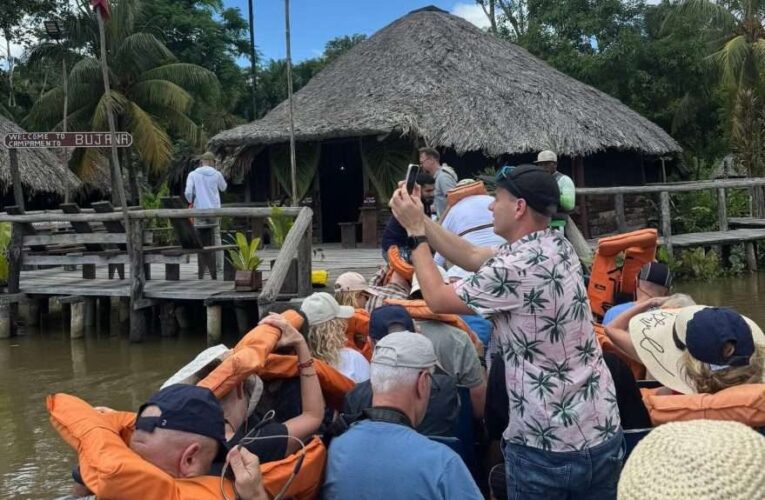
[(455, 352), (446, 179)]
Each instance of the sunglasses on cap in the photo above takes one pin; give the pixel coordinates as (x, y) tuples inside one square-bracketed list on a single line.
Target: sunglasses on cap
[(503, 176)]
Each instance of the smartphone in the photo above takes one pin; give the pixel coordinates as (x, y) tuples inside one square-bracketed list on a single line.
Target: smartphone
[(412, 171)]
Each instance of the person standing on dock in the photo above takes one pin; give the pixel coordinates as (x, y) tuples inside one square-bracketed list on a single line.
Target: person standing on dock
[(203, 187), (548, 160), (445, 176)]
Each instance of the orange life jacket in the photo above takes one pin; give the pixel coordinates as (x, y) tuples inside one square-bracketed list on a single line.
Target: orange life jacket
[(357, 333), (419, 310), (334, 385), (637, 369), (459, 193), (742, 403), (607, 280), (398, 264), (248, 356)]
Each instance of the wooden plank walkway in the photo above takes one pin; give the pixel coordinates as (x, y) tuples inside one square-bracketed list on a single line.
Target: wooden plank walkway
[(729, 237), (747, 222), (56, 281)]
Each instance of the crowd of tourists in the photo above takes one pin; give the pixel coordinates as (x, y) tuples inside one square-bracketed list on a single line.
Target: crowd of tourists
[(470, 366)]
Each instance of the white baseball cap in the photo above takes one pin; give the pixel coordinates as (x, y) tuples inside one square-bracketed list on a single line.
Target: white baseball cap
[(546, 156), (321, 307)]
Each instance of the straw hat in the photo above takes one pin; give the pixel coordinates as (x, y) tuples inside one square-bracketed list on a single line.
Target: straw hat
[(660, 338), (696, 460), (187, 374)]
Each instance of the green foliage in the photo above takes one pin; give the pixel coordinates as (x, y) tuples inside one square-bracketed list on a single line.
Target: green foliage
[(279, 224), (151, 201), (5, 240), (245, 256)]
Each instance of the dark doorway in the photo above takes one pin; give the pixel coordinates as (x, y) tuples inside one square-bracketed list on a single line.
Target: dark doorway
[(341, 186)]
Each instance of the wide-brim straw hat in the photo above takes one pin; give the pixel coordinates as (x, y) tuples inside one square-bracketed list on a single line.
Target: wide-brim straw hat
[(652, 334), (696, 460)]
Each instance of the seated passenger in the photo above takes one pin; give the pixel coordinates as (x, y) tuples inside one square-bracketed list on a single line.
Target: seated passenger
[(351, 289), (700, 459), (383, 456), (327, 322), (654, 281), (699, 349), (443, 406)]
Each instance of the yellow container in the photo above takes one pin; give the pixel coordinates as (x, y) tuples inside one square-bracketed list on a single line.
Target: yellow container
[(319, 277)]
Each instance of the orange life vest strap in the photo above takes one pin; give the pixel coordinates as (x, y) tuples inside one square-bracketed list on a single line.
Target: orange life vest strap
[(398, 264), (418, 309), (309, 480), (637, 369), (459, 193), (742, 403), (357, 333)]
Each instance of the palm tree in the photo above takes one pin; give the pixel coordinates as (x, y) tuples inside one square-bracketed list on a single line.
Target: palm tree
[(151, 91), (736, 31)]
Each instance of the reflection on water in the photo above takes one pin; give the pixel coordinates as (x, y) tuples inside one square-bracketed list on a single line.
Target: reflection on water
[(101, 369), (107, 370)]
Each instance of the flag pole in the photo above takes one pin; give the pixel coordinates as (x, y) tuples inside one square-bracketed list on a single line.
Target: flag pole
[(293, 167)]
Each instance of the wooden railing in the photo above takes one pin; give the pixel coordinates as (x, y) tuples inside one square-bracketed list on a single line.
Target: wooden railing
[(297, 245), (665, 190)]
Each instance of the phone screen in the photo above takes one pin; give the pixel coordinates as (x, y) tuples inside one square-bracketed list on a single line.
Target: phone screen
[(411, 177)]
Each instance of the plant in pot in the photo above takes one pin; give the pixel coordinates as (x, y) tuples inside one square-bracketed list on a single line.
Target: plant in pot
[(245, 260), (279, 225)]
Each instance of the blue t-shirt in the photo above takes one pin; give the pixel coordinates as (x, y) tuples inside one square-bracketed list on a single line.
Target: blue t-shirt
[(374, 460), (481, 327), (615, 311)]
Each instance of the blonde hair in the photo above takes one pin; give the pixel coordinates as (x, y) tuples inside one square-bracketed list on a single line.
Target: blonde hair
[(677, 301), (326, 339), (349, 298), (701, 376)]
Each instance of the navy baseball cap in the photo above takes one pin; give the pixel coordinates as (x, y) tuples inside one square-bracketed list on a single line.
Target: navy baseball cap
[(711, 328), (187, 408), (656, 273), (384, 316), (533, 184)]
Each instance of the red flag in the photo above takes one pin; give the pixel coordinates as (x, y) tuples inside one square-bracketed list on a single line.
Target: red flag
[(102, 6)]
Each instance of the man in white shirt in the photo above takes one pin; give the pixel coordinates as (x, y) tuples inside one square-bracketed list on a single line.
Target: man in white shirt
[(203, 187)]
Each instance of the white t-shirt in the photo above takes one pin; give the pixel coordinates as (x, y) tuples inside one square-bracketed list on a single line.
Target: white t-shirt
[(353, 365), (469, 213)]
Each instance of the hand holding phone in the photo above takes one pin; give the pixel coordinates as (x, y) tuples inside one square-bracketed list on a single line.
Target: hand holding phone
[(412, 171)]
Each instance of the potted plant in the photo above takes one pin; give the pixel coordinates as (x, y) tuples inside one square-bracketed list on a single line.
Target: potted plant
[(279, 225), (245, 260)]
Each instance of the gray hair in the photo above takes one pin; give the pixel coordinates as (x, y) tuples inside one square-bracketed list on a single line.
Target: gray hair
[(678, 300), (386, 379)]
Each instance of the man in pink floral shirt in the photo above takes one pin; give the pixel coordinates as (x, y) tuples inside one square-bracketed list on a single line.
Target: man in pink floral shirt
[(564, 438)]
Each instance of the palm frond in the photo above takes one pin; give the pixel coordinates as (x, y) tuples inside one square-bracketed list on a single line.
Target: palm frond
[(160, 93), (150, 140), (183, 126), (716, 15), (189, 76), (46, 111), (119, 105), (139, 52), (731, 58), (85, 71)]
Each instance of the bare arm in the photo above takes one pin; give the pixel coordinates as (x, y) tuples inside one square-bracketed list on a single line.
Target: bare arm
[(621, 339), (440, 297), (308, 422), (478, 398), (618, 329)]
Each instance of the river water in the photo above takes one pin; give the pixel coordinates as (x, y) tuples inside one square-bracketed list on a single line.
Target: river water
[(107, 370)]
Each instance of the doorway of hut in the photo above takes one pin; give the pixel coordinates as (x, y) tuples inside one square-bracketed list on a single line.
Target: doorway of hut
[(341, 185)]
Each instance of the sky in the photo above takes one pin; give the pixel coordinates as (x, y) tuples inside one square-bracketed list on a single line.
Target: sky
[(315, 22)]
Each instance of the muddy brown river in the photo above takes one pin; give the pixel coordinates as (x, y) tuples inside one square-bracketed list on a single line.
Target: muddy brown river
[(105, 369)]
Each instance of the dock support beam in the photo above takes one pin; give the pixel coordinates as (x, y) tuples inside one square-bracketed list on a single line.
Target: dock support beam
[(5, 320), (666, 223), (751, 256), (77, 325), (138, 321), (214, 324), (167, 323), (33, 313)]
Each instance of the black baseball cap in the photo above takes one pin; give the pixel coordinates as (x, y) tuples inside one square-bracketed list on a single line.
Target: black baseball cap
[(533, 184), (656, 273), (187, 408)]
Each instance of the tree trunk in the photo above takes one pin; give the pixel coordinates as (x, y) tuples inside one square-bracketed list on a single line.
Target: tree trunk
[(132, 177), (11, 93)]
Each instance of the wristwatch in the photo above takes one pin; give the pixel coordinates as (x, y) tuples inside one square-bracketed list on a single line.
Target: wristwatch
[(414, 241)]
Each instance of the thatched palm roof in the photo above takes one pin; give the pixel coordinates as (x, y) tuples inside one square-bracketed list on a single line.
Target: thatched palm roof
[(40, 170), (434, 75)]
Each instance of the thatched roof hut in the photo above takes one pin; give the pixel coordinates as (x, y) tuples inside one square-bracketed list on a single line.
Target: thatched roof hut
[(40, 170), (436, 76)]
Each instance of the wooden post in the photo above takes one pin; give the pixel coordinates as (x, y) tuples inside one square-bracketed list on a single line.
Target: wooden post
[(77, 329), (167, 322), (290, 101), (666, 222), (241, 309), (214, 326), (90, 311), (33, 313), (621, 222), (304, 287), (751, 256), (5, 320), (573, 235), (137, 280), (104, 311), (124, 309), (18, 192), (578, 171), (182, 315), (722, 209), (15, 259)]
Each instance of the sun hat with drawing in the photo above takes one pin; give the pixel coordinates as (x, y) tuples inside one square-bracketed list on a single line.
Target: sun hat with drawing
[(661, 337), (696, 460)]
